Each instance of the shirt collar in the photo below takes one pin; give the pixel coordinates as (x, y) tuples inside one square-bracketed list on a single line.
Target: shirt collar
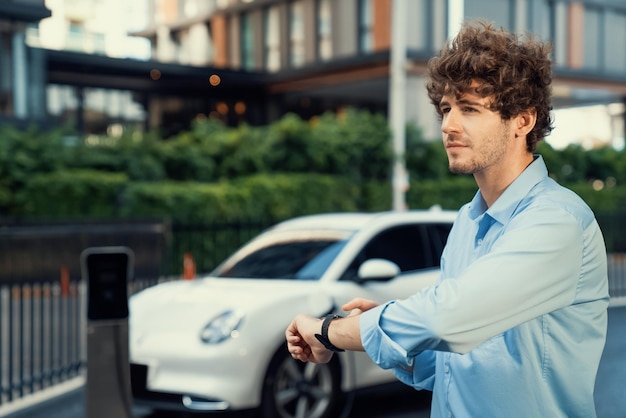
[(505, 205)]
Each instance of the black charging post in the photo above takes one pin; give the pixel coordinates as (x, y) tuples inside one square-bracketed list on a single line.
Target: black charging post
[(107, 271)]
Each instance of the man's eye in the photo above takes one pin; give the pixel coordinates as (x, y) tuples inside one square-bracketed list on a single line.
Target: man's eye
[(469, 109)]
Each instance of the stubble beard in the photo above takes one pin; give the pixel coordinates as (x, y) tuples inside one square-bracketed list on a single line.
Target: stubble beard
[(489, 153), (470, 167)]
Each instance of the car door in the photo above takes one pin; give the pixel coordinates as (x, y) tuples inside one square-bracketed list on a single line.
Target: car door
[(408, 246), (417, 251)]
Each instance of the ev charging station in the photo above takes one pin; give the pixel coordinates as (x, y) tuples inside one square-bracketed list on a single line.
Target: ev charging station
[(107, 390)]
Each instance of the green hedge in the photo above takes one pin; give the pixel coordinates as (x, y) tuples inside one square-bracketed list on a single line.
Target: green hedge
[(334, 162), (604, 199), (72, 194), (276, 196), (98, 195)]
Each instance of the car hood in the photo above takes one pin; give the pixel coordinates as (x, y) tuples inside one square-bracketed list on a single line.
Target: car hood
[(167, 306)]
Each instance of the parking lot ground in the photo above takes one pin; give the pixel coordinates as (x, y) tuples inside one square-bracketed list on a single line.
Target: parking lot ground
[(397, 401)]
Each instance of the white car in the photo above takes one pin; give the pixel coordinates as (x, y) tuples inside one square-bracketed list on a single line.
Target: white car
[(217, 343)]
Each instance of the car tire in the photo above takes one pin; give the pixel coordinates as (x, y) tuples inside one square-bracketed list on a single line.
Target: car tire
[(293, 389)]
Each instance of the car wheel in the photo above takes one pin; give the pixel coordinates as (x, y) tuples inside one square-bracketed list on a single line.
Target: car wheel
[(293, 389)]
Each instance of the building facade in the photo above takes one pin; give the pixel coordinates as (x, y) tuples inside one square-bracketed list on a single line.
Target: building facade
[(255, 60), (21, 69), (325, 54)]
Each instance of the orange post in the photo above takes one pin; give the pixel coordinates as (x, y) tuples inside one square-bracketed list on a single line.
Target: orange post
[(65, 281), (189, 267)]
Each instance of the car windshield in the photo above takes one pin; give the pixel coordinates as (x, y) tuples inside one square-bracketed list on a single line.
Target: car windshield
[(292, 255)]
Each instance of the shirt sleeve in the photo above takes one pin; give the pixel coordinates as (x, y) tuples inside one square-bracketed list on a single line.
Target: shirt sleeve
[(532, 269), (422, 375), (416, 371)]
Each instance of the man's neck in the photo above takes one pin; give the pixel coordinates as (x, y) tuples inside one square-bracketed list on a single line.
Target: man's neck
[(493, 181)]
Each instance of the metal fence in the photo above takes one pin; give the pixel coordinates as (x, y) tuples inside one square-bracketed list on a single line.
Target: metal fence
[(43, 328), (43, 321), (617, 275)]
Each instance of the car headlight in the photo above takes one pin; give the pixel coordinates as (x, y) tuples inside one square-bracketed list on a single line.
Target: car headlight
[(221, 327)]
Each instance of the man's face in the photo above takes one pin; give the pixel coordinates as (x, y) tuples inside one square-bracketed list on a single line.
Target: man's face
[(475, 137)]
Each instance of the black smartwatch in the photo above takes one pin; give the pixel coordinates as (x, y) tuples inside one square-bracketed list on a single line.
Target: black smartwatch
[(324, 337)]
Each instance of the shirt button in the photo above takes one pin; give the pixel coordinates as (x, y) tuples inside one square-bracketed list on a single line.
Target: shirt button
[(449, 414), (480, 241), (446, 369)]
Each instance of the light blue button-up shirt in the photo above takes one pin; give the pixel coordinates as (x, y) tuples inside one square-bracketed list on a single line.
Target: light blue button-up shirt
[(516, 324)]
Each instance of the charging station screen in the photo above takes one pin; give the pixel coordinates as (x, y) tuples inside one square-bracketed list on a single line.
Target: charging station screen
[(108, 289)]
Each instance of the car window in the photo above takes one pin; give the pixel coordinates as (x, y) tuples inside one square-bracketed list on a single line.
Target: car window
[(406, 245), (304, 260), (438, 234), (411, 247), (317, 265)]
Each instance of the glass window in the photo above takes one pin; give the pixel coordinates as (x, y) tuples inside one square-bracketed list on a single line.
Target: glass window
[(272, 39), (324, 29), (101, 107), (407, 246), (420, 29), (402, 245), (540, 17), (296, 33), (289, 255), (61, 100), (438, 234), (559, 33), (366, 26), (247, 42), (592, 43), (304, 260), (499, 12), (615, 41), (75, 36)]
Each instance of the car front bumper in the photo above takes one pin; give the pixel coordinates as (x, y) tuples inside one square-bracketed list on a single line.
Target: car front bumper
[(176, 373)]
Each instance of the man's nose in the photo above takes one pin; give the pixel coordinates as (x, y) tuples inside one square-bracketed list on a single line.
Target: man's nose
[(450, 123)]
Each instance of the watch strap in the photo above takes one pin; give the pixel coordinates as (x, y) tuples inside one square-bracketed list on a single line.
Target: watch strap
[(323, 338)]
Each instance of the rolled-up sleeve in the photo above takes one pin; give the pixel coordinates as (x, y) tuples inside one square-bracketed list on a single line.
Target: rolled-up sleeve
[(417, 371), (378, 344)]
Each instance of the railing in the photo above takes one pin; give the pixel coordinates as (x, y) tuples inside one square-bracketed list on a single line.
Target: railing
[(41, 328), (617, 275), (43, 334)]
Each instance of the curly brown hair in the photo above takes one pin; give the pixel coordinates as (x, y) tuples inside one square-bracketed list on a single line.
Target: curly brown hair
[(514, 71)]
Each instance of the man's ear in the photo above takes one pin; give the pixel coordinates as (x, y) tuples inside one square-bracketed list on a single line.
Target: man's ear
[(525, 122)]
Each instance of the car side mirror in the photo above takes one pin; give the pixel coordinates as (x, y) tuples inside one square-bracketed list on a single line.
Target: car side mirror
[(378, 269)]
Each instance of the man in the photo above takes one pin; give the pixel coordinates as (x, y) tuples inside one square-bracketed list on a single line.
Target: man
[(516, 324)]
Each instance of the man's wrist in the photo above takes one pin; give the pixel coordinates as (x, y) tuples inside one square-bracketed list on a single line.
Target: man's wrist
[(323, 337)]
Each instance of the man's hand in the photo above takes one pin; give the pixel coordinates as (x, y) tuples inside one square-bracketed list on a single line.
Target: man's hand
[(303, 345), (359, 305), (301, 341)]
